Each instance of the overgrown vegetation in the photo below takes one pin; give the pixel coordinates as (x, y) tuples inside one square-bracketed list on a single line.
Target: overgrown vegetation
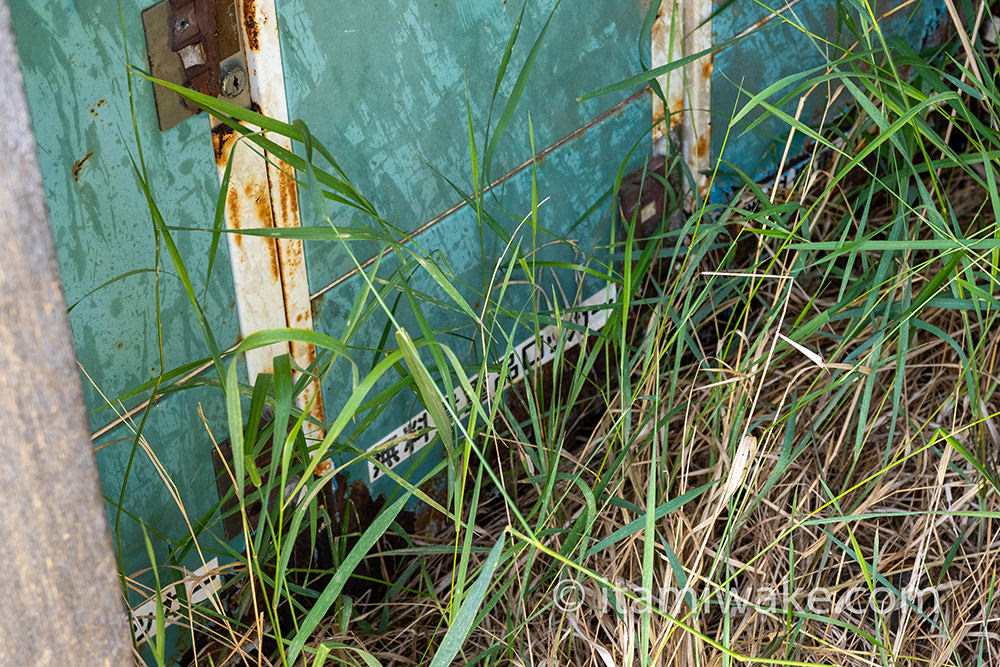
[(782, 447)]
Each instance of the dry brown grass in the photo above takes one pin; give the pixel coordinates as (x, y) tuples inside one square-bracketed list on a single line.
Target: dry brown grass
[(908, 512)]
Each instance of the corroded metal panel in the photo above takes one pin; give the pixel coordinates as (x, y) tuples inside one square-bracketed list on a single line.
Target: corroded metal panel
[(73, 60), (101, 221), (387, 91)]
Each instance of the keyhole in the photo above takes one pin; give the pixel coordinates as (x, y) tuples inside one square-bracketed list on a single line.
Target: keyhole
[(234, 82)]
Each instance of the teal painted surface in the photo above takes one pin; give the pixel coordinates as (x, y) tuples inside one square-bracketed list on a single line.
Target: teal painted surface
[(385, 130), (780, 48), (74, 69), (178, 440), (578, 209), (387, 92), (388, 129), (385, 89), (74, 72)]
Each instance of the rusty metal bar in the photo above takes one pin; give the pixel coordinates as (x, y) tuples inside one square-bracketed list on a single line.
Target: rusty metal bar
[(272, 288), (61, 600), (269, 275), (259, 21), (682, 28), (254, 259)]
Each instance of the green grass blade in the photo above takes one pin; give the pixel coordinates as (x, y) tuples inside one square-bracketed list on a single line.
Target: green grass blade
[(466, 616), (329, 595)]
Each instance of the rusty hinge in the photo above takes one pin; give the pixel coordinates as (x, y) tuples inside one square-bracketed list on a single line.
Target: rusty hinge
[(196, 44)]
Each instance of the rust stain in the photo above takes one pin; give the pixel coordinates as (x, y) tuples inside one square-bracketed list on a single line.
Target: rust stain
[(233, 207), (318, 412), (676, 111), (100, 103), (78, 165), (701, 148), (250, 27), (306, 351), (222, 141), (257, 194), (272, 251), (233, 203), (703, 189), (288, 196), (660, 26), (316, 305), (261, 202), (761, 22), (707, 65), (658, 128)]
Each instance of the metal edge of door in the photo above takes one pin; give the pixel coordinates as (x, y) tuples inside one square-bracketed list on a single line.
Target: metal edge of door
[(279, 264), (682, 28)]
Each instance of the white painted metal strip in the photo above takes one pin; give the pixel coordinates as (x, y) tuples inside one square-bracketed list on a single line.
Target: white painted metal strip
[(269, 275), (267, 89), (683, 27), (396, 448), (254, 259)]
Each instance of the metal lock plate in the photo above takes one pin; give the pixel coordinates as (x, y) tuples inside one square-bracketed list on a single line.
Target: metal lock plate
[(642, 199), (196, 44)]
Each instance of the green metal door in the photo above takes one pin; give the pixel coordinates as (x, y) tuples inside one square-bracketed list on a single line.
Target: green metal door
[(392, 91)]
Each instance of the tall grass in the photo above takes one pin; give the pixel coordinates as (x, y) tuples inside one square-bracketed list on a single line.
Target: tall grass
[(795, 391)]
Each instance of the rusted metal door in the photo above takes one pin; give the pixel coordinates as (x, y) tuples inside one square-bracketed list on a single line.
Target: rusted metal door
[(390, 92), (387, 91)]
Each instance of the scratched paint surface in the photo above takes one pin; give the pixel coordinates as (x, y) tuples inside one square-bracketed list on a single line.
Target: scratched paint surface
[(781, 47), (575, 186), (74, 71), (386, 91)]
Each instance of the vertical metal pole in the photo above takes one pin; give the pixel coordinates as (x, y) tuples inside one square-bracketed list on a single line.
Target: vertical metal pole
[(269, 275), (61, 603), (684, 27)]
